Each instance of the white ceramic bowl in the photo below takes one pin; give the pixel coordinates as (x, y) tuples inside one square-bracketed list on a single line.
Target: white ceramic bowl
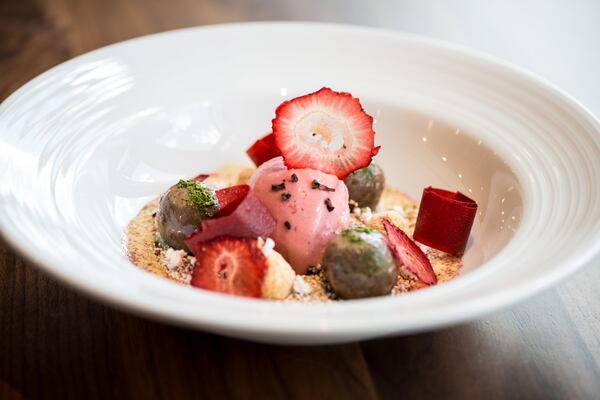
[(86, 144)]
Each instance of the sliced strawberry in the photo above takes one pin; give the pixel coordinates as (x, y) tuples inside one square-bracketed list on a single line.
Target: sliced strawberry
[(230, 265), (263, 150), (230, 198), (409, 254), (326, 130)]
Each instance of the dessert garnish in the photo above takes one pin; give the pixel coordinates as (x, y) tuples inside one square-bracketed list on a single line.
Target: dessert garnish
[(249, 219), (445, 220), (239, 266), (230, 198), (276, 187), (409, 254), (263, 150), (319, 186), (329, 205), (325, 130), (230, 265), (199, 196)]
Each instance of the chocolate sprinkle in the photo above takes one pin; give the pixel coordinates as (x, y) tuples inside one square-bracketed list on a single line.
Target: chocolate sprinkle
[(287, 225), (285, 196), (329, 205), (294, 178), (277, 187), (316, 185)]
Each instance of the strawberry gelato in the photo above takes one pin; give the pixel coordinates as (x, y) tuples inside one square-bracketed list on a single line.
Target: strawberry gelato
[(309, 208)]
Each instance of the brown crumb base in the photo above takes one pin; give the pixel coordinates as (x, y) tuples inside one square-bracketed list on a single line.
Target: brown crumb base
[(320, 291), (145, 252), (142, 248)]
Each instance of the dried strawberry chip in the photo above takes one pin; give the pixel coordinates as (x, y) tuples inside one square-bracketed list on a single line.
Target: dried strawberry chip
[(445, 220), (230, 198), (249, 219), (263, 150), (325, 130), (407, 252), (230, 265)]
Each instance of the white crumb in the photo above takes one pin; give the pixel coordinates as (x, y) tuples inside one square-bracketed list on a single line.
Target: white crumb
[(268, 247), (301, 287), (400, 213), (399, 209), (367, 215), (363, 214), (424, 248), (174, 258)]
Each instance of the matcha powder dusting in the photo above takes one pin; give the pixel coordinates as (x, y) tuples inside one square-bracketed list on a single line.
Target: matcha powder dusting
[(199, 195)]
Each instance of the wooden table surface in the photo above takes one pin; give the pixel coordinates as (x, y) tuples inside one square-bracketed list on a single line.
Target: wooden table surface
[(55, 343)]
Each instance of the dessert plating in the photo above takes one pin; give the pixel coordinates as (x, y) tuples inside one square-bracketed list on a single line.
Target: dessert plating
[(314, 221)]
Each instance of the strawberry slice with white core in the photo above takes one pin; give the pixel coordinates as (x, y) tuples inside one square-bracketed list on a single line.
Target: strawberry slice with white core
[(230, 265), (409, 254), (325, 130)]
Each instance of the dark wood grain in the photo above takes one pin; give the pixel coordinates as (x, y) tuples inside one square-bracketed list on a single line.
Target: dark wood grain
[(54, 343)]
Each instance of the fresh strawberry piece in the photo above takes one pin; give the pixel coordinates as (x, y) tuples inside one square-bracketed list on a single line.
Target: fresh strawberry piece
[(411, 255), (201, 177), (263, 150), (249, 219), (230, 198), (230, 265), (326, 130)]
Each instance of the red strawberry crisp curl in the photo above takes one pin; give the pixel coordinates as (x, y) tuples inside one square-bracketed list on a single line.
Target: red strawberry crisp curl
[(445, 220)]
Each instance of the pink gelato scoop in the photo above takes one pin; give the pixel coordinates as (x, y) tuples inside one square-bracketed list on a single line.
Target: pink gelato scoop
[(309, 208)]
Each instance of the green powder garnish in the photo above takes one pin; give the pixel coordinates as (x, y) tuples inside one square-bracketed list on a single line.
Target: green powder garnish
[(199, 195), (353, 233), (363, 229), (368, 173)]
